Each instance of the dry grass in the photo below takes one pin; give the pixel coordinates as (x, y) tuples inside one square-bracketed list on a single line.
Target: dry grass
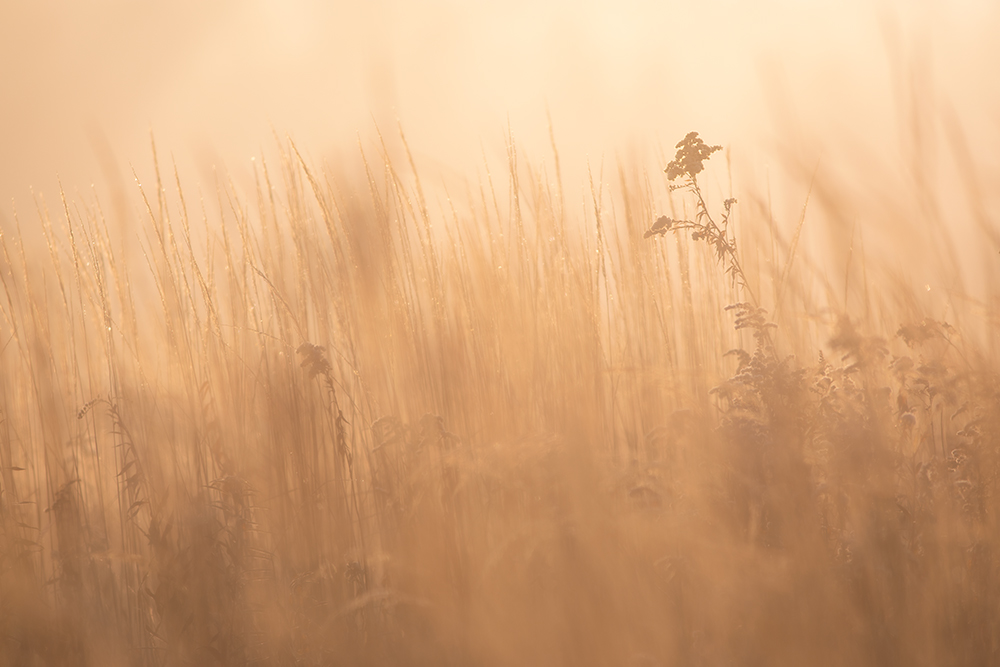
[(335, 423)]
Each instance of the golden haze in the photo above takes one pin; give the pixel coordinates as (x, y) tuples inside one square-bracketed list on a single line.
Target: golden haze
[(384, 353)]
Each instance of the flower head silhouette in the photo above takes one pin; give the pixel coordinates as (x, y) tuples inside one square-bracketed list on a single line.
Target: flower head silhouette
[(691, 155)]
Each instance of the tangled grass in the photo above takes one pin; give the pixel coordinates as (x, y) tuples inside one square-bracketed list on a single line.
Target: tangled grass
[(327, 426)]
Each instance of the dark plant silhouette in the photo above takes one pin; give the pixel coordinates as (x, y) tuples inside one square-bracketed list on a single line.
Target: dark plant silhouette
[(688, 162)]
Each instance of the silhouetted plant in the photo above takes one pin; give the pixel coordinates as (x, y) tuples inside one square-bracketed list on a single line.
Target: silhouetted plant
[(688, 162)]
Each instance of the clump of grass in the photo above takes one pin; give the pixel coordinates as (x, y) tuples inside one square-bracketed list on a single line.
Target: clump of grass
[(331, 426)]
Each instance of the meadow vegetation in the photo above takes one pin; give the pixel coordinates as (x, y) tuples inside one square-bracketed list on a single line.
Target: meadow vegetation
[(336, 421)]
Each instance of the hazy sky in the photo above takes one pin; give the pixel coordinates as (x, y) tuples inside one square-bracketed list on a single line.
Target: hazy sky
[(212, 79)]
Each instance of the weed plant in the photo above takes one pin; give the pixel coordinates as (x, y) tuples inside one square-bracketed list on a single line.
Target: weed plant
[(327, 424)]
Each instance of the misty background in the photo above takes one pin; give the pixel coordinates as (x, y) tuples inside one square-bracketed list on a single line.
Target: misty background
[(879, 99)]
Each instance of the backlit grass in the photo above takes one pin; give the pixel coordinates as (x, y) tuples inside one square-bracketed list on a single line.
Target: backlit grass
[(348, 420)]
